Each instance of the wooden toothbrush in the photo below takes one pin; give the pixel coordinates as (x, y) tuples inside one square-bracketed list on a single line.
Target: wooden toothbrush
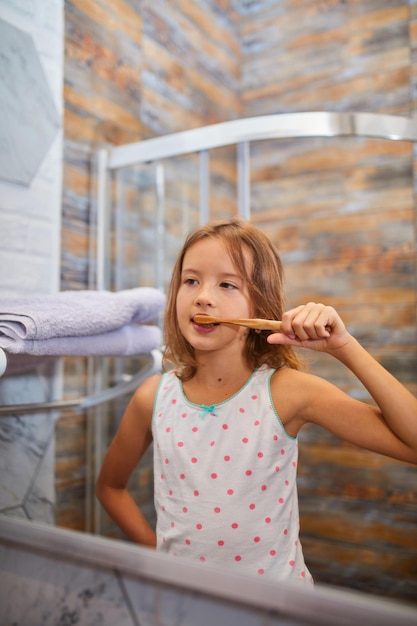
[(257, 324)]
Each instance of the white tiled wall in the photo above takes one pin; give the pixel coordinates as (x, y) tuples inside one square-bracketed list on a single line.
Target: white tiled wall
[(30, 222), (30, 215)]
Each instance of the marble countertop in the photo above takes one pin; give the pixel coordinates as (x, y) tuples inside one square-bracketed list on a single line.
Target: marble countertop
[(320, 605)]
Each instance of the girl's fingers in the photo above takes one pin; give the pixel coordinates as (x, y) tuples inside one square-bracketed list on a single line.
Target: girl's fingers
[(309, 322), (313, 326)]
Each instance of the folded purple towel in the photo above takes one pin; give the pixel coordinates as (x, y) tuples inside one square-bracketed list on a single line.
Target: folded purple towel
[(126, 341), (76, 313)]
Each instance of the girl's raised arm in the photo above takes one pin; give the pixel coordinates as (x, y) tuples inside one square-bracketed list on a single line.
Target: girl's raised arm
[(392, 427)]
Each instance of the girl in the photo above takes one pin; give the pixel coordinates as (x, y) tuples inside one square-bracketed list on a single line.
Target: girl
[(225, 421)]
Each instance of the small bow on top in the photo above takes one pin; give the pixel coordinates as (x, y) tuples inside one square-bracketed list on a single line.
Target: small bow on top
[(208, 409)]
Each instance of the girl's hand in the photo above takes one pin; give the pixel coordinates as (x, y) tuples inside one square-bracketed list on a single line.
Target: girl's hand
[(313, 326)]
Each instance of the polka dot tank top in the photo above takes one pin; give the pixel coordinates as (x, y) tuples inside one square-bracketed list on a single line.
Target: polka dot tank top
[(225, 481)]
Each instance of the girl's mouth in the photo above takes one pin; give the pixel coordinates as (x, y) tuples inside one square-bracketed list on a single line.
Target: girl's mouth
[(203, 326)]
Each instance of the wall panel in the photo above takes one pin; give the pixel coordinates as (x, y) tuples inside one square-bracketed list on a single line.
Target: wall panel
[(343, 212)]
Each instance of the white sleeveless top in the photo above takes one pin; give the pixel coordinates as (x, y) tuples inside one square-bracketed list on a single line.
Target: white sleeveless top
[(225, 481)]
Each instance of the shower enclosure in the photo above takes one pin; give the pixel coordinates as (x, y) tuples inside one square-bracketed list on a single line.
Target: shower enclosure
[(335, 193), (151, 193)]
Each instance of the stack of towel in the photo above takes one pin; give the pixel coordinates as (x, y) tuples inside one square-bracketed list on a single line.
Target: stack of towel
[(83, 323)]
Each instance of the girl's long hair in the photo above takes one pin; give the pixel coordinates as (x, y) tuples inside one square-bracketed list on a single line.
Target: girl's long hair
[(264, 279)]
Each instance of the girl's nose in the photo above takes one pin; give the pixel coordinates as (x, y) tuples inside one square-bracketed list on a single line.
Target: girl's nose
[(204, 296)]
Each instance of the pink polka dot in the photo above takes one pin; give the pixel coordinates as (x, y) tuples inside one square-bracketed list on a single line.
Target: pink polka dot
[(166, 461), (281, 500), (225, 427), (194, 429), (267, 520), (182, 476), (256, 539), (227, 458), (212, 443), (180, 444), (252, 507), (235, 525), (241, 410), (264, 487), (184, 509), (172, 524), (254, 397), (260, 455), (275, 437), (238, 557), (272, 552), (245, 440), (196, 493), (170, 492), (173, 401), (287, 483), (220, 542), (256, 423), (202, 559), (199, 526), (277, 468), (162, 477), (217, 509), (282, 451), (230, 492), (286, 531), (188, 542), (183, 414), (248, 472), (303, 574), (163, 508), (292, 563), (193, 460), (214, 476), (261, 571), (294, 464), (168, 430)]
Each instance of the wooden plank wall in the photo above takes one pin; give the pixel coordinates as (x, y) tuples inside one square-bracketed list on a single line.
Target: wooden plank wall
[(342, 214), (133, 70)]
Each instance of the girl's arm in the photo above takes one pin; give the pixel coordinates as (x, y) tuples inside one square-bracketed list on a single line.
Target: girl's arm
[(131, 441), (391, 428)]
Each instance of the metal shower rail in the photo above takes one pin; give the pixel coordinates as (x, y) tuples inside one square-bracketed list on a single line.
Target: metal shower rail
[(240, 132), (126, 386), (278, 126)]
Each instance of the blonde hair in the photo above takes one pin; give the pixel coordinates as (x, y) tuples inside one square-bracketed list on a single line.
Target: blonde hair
[(264, 279)]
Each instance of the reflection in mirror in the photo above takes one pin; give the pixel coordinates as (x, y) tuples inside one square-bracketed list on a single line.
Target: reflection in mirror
[(341, 488)]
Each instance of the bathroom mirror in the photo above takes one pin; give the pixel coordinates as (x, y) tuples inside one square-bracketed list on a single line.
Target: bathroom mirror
[(341, 212)]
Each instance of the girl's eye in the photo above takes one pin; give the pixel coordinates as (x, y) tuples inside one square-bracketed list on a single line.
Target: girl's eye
[(190, 281), (226, 285)]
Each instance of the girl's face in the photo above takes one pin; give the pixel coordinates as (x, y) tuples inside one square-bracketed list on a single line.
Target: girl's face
[(211, 285)]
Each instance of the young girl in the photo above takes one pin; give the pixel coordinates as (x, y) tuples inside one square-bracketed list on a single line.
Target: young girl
[(225, 421)]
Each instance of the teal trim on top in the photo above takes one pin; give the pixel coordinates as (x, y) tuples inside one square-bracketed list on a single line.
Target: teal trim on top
[(220, 404), (275, 410)]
